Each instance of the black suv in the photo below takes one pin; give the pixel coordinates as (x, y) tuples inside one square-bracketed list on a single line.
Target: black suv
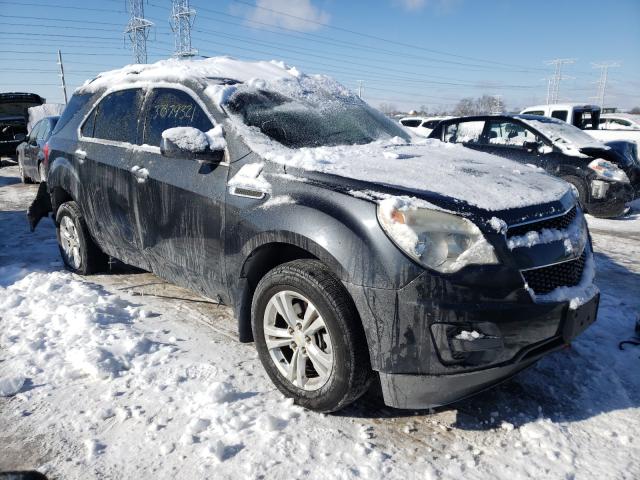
[(605, 178), (14, 117), (347, 253)]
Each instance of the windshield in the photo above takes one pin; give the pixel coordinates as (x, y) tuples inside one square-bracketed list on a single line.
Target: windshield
[(563, 134), (15, 109), (312, 119)]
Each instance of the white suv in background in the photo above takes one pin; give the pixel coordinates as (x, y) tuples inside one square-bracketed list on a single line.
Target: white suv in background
[(421, 126)]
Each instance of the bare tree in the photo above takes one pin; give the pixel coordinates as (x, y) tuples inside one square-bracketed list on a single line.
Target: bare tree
[(635, 110), (388, 108), (466, 106)]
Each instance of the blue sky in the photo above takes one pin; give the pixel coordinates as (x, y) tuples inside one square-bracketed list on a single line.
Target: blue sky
[(406, 52)]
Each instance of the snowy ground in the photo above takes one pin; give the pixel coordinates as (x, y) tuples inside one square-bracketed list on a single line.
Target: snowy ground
[(124, 376)]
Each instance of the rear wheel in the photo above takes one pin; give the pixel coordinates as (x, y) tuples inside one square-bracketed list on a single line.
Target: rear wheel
[(309, 338), (79, 252)]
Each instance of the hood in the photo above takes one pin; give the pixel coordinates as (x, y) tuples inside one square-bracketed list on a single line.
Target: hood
[(436, 171)]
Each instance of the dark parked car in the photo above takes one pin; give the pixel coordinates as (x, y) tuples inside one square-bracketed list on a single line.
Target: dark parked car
[(347, 253), (14, 117), (606, 179), (31, 152)]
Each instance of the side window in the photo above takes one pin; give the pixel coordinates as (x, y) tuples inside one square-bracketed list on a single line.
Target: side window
[(35, 131), (116, 117), (560, 115), (169, 108), (509, 134), (464, 132), (430, 124)]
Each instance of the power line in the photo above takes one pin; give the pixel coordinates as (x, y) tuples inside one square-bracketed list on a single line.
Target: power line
[(375, 37)]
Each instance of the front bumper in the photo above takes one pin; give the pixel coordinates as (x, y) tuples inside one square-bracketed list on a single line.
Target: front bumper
[(427, 391), (609, 198)]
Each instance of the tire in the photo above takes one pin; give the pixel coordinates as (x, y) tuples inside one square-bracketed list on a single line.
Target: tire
[(41, 172), (79, 254), (581, 188), (341, 338)]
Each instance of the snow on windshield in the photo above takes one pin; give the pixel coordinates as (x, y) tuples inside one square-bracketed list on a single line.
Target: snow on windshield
[(568, 138)]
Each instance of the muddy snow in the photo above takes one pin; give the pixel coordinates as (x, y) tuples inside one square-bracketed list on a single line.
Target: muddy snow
[(122, 375)]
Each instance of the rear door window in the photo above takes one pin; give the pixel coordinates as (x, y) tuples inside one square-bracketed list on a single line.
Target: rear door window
[(509, 134), (560, 115), (168, 108), (464, 132), (116, 117)]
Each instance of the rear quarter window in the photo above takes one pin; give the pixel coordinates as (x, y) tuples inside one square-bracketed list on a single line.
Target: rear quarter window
[(76, 104), (410, 123)]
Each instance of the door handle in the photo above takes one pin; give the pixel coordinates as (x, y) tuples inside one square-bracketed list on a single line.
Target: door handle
[(141, 174), (80, 155)]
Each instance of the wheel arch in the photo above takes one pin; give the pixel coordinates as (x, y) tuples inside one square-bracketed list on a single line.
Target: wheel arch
[(263, 254)]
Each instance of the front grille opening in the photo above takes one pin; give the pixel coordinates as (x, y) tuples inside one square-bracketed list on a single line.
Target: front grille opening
[(545, 279), (559, 223)]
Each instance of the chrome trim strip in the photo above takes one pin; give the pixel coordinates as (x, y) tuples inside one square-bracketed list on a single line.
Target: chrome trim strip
[(542, 219)]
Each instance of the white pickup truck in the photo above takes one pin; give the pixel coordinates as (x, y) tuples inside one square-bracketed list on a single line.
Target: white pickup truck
[(588, 118)]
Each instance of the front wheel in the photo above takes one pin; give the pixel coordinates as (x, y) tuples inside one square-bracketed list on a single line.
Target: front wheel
[(79, 252), (309, 337)]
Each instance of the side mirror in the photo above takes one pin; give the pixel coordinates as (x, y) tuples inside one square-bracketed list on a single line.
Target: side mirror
[(190, 144), (20, 137), (531, 146)]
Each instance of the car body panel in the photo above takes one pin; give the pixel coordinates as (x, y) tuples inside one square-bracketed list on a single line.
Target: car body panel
[(187, 221)]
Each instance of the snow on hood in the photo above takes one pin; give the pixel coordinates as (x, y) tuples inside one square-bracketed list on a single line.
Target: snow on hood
[(174, 70), (480, 179), (568, 138)]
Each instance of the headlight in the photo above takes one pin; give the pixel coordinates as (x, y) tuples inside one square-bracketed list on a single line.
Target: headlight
[(438, 240), (608, 171)]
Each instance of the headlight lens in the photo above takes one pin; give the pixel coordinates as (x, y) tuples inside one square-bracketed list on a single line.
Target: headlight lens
[(438, 240), (608, 171)]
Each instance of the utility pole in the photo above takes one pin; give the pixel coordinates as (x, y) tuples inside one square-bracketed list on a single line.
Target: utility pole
[(64, 84), (138, 30), (181, 20), (360, 88), (602, 82), (554, 85)]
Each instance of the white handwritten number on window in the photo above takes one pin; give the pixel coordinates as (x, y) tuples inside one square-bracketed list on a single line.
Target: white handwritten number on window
[(176, 111)]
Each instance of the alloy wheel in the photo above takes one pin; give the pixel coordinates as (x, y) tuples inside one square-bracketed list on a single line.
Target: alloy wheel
[(70, 242), (298, 340)]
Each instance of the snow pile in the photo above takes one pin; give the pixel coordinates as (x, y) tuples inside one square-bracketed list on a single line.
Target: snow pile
[(250, 176), (278, 201), (498, 224), (205, 70), (469, 336), (193, 140), (187, 138), (68, 328), (37, 113), (574, 237), (577, 295)]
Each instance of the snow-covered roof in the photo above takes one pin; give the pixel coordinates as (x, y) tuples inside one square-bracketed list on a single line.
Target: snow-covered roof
[(556, 106), (204, 70)]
